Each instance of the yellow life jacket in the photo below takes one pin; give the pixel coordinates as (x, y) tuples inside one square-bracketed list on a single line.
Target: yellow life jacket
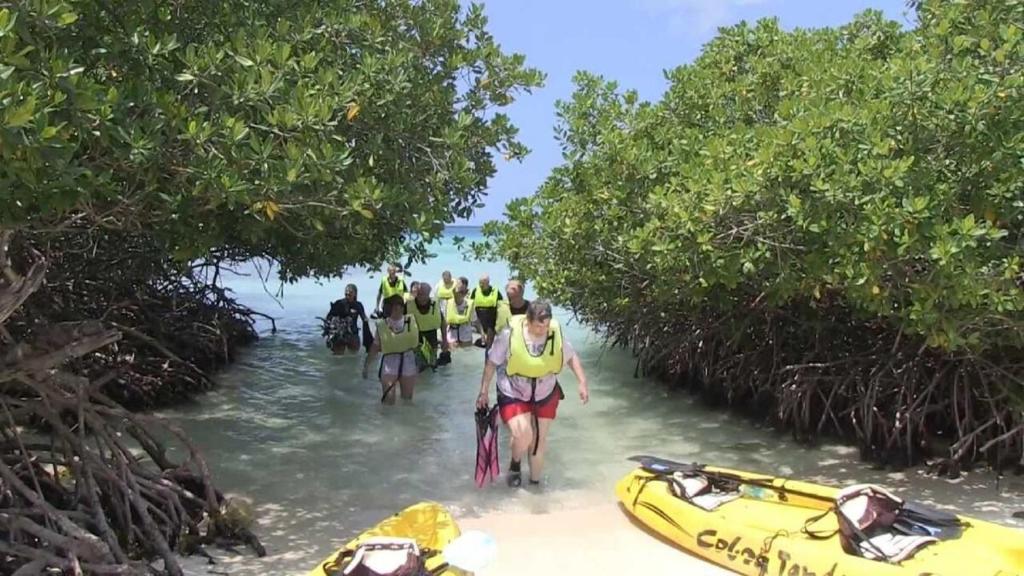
[(452, 315), (522, 363), (387, 290), (444, 292), (504, 316), (392, 343), (481, 301), (429, 321)]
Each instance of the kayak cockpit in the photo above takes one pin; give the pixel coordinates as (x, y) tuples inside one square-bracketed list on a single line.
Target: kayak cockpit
[(750, 523)]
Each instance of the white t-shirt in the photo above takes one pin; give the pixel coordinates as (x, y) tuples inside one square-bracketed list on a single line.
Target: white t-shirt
[(519, 387)]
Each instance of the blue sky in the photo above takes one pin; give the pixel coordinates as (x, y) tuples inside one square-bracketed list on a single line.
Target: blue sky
[(630, 41)]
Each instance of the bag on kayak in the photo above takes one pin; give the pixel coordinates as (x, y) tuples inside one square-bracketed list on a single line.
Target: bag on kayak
[(384, 556), (688, 486), (701, 491), (867, 517), (916, 519)]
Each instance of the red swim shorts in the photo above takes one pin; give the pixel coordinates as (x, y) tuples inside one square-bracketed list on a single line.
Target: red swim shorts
[(511, 407)]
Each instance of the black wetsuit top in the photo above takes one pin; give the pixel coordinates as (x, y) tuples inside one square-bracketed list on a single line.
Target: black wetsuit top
[(349, 312)]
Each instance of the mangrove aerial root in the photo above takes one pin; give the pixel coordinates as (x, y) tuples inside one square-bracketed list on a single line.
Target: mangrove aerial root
[(177, 322), (817, 371), (87, 487)]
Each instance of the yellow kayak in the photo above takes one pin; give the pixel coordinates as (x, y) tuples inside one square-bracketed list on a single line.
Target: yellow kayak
[(428, 523), (775, 526)]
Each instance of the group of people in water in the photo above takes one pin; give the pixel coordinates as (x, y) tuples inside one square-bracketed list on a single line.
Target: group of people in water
[(413, 330)]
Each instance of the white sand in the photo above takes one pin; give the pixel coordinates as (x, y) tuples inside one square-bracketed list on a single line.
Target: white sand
[(599, 539), (582, 532)]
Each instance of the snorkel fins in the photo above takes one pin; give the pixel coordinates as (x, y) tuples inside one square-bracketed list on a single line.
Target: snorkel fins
[(486, 445)]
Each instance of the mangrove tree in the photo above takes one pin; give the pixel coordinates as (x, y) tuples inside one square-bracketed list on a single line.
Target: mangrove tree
[(821, 225)]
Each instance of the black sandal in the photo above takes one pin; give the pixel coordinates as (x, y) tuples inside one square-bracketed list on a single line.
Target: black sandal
[(515, 475)]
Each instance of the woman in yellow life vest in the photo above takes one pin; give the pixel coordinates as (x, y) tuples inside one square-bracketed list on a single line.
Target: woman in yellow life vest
[(446, 288), (445, 293), (458, 313), (389, 286), (427, 313), (528, 356), (397, 338), (515, 305)]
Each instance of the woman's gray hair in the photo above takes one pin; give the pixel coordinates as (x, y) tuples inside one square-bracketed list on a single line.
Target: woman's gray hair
[(353, 288), (538, 311)]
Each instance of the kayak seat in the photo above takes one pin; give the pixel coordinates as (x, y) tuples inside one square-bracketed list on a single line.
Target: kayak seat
[(696, 489), (789, 526), (868, 525), (385, 556), (891, 547)]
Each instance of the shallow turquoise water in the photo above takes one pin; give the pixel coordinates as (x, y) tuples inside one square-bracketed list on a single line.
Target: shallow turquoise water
[(298, 431)]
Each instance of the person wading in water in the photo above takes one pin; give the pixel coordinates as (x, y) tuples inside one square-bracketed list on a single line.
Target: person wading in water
[(446, 288), (485, 302), (427, 313), (389, 286), (342, 321), (398, 336), (414, 288), (515, 305), (527, 357), (458, 314)]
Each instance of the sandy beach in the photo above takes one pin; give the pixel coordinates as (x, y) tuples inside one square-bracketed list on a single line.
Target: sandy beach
[(592, 539), (598, 539), (586, 531)]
